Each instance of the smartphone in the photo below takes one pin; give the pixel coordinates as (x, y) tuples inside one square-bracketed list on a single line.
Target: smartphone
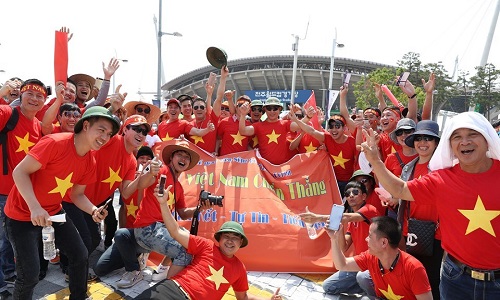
[(211, 78), (366, 123), (336, 217), (155, 159), (105, 206), (347, 78), (98, 83), (403, 78), (161, 188)]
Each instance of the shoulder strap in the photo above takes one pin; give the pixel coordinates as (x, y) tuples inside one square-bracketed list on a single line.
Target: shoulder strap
[(405, 205), (401, 163), (11, 123)]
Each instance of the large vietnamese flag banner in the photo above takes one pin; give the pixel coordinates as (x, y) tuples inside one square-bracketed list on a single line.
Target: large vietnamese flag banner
[(266, 199)]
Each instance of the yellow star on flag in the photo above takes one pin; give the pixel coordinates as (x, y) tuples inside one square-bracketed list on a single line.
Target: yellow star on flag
[(132, 208), (197, 139), (255, 141), (24, 143), (167, 138), (62, 185), (113, 177), (273, 137), (479, 217), (310, 148), (217, 276), (237, 138), (340, 160), (389, 294)]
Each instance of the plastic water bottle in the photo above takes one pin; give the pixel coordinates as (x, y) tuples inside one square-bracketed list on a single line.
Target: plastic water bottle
[(311, 231), (49, 243)]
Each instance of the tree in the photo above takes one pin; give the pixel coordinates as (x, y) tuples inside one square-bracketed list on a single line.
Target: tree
[(411, 63), (443, 89), (486, 95)]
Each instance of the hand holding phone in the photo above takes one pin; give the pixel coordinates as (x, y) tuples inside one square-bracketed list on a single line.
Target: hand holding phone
[(211, 78), (105, 206), (161, 187), (336, 217), (402, 79), (347, 78)]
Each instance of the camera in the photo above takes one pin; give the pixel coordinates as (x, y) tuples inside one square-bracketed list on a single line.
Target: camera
[(213, 200), (49, 90)]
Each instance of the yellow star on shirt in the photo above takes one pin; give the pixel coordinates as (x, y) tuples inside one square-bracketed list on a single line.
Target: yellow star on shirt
[(167, 138), (62, 185), (217, 276), (392, 149), (255, 141), (340, 160), (113, 177), (389, 294), (197, 139), (237, 138), (171, 199), (479, 217), (273, 137), (132, 208), (310, 148), (24, 143)]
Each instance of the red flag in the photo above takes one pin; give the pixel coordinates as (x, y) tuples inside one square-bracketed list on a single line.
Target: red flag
[(311, 102), (61, 57)]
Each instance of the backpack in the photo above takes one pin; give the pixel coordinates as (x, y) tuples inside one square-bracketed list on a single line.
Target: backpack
[(11, 123)]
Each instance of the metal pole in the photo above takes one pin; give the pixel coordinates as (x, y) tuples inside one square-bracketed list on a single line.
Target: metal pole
[(294, 73), (158, 86), (332, 59), (489, 39)]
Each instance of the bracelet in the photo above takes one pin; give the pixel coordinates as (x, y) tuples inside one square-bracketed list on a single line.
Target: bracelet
[(107, 80), (414, 95)]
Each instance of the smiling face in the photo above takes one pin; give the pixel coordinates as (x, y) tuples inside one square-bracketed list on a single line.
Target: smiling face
[(180, 161), (32, 101), (186, 108), (83, 90), (389, 120), (199, 109), (98, 132), (142, 110), (135, 135), (69, 93), (470, 147), (336, 129), (173, 111), (273, 112), (230, 243), (425, 145), (67, 120)]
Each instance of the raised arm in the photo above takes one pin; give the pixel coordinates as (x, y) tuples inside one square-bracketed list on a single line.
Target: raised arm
[(319, 135), (429, 93), (209, 89), (409, 90), (51, 113), (344, 111), (108, 71), (245, 130), (180, 235), (380, 96), (341, 262), (224, 72)]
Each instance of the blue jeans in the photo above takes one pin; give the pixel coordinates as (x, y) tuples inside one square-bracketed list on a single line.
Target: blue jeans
[(6, 253), (25, 239), (342, 282), (456, 284), (155, 237), (365, 281), (122, 253)]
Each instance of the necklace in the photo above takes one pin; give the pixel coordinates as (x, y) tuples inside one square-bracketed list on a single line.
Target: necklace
[(393, 265)]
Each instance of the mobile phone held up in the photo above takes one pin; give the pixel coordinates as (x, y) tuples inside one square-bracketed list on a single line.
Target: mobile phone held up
[(402, 79), (161, 187), (347, 78), (211, 78), (336, 217)]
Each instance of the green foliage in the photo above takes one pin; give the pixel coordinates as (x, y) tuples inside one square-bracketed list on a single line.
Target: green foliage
[(485, 93)]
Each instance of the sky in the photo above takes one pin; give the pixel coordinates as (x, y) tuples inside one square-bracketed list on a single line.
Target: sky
[(377, 31)]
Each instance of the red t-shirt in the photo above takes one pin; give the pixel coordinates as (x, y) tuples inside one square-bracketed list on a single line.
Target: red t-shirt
[(273, 143), (308, 143), (61, 168), (387, 146), (172, 130), (343, 156), (113, 166), (131, 208), (149, 210), (206, 142), (211, 273), (231, 139), (359, 230), (469, 212), (3, 102), (20, 140), (392, 163), (374, 200), (407, 279)]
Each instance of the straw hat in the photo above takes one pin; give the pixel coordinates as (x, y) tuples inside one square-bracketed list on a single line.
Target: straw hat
[(182, 145), (130, 105)]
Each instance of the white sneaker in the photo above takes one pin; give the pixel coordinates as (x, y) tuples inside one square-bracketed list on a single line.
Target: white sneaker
[(160, 273), (143, 261), (129, 279)]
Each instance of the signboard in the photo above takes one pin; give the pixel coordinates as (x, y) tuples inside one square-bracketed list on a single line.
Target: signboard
[(301, 96)]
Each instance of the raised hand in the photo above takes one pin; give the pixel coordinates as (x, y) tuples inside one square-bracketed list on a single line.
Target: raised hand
[(109, 70), (429, 85), (66, 29)]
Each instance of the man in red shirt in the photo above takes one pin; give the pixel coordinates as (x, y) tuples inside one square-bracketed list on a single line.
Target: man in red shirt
[(395, 274), (232, 140), (203, 117), (58, 164)]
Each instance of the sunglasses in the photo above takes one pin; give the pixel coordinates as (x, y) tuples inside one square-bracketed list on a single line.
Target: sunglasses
[(363, 180), (424, 138), (145, 110), (352, 192), (139, 129), (299, 116), (224, 108), (334, 125), (199, 107), (405, 131), (272, 108), (257, 108), (72, 114)]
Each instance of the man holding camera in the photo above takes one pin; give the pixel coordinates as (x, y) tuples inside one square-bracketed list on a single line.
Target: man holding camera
[(149, 232)]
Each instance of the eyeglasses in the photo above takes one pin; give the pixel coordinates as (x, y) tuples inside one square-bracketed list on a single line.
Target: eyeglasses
[(424, 138), (257, 108), (139, 129), (145, 110), (334, 125), (351, 192), (72, 114), (405, 131), (199, 107), (299, 116), (224, 108), (272, 108)]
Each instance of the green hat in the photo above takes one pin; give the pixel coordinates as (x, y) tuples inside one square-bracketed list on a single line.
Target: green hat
[(273, 101), (361, 173), (233, 227), (256, 103), (101, 112)]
